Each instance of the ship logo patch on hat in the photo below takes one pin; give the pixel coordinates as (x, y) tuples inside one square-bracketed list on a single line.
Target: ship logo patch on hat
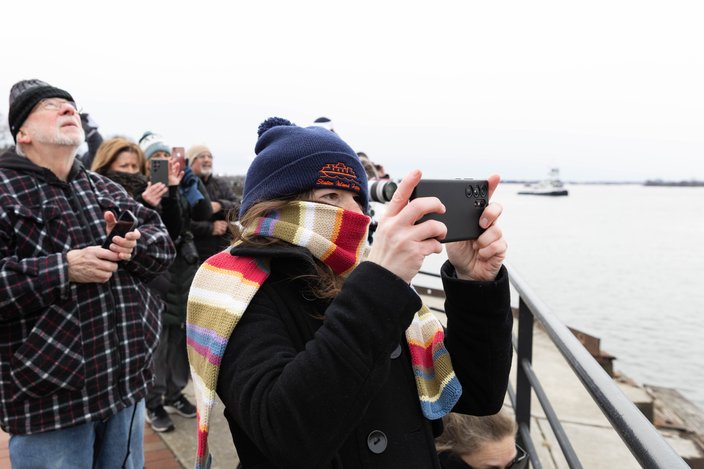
[(338, 175)]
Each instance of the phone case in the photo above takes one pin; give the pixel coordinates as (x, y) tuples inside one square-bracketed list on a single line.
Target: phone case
[(125, 223), (464, 200), (159, 171)]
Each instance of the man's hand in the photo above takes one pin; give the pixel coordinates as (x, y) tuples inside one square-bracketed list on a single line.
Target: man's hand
[(217, 206), (91, 265), (123, 247)]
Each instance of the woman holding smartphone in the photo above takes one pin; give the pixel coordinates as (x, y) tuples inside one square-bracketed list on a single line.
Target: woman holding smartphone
[(322, 352), (123, 161)]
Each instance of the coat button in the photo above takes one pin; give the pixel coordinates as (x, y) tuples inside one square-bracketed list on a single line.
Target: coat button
[(376, 441), (397, 352)]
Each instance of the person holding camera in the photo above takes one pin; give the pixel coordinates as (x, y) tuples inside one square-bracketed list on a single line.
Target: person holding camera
[(171, 371), (322, 353), (78, 326)]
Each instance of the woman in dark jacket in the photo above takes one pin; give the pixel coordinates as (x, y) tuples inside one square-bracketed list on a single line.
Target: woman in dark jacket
[(171, 370), (123, 161), (324, 356)]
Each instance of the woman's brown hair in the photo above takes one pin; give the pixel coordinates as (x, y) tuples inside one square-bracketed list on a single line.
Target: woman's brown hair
[(109, 150)]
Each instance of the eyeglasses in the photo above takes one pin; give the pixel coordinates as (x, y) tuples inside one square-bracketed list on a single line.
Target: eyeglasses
[(54, 104), (520, 461)]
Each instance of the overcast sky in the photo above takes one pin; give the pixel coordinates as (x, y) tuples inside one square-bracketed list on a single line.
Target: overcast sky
[(605, 90)]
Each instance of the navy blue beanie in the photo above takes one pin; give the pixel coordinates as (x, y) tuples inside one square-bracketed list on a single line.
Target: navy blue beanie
[(291, 160)]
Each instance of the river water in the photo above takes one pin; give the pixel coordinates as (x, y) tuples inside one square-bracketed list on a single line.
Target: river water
[(624, 263)]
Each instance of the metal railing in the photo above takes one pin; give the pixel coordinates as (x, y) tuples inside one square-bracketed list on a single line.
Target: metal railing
[(639, 435)]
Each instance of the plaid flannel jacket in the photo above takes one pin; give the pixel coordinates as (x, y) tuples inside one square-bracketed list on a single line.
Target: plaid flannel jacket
[(71, 352)]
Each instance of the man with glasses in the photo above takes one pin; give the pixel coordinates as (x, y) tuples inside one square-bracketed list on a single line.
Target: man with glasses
[(212, 236), (78, 326)]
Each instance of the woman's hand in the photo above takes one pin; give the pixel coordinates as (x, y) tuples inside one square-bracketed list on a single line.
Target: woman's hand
[(399, 244), (175, 172), (153, 193), (481, 259)]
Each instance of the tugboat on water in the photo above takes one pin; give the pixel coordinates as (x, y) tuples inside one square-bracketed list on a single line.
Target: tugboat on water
[(551, 186)]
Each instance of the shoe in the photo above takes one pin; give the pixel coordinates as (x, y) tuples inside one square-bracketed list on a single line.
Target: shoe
[(159, 420), (182, 407)]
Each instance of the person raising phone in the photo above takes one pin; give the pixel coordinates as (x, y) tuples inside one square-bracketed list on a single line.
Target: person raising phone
[(323, 354), (78, 325), (123, 161), (170, 361)]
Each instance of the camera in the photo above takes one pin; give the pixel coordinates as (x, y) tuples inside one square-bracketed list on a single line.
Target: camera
[(381, 190)]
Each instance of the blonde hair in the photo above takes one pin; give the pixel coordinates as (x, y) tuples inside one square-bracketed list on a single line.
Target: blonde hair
[(324, 283), (466, 434), (109, 150)]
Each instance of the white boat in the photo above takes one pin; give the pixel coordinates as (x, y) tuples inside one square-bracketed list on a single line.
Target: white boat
[(551, 186)]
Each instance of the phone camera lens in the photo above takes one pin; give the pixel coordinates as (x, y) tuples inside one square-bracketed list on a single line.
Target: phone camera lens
[(468, 191), (476, 191)]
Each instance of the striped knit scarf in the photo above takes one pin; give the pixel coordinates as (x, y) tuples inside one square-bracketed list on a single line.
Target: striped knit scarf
[(225, 285)]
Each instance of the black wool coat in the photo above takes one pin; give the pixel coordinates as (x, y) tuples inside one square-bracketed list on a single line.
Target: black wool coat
[(339, 392)]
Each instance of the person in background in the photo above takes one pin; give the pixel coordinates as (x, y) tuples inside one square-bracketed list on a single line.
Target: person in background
[(212, 236), (322, 353), (489, 442), (93, 139), (78, 326), (324, 122), (368, 165), (123, 161), (171, 371)]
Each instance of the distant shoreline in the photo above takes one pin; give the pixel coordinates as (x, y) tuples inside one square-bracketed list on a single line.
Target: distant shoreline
[(657, 183)]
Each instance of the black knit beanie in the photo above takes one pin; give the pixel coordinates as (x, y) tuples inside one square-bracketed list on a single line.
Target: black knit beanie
[(26, 94), (291, 160)]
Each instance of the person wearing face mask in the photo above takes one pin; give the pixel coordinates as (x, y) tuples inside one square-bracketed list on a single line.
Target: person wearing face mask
[(320, 350), (123, 161), (212, 236), (171, 371), (78, 326)]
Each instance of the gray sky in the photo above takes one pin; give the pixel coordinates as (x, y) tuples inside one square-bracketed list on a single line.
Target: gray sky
[(605, 90)]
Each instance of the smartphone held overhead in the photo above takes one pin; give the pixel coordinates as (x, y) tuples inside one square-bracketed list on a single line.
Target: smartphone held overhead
[(159, 171), (464, 201), (179, 154)]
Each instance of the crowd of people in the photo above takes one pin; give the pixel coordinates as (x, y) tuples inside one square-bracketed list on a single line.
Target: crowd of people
[(336, 363)]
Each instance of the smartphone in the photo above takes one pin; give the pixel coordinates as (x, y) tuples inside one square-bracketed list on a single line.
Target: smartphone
[(179, 153), (159, 171), (126, 222), (464, 200)]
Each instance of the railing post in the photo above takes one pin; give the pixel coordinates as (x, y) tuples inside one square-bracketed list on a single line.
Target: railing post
[(524, 352)]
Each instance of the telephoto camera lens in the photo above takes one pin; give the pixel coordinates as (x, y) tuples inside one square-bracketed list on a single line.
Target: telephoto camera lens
[(381, 191)]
